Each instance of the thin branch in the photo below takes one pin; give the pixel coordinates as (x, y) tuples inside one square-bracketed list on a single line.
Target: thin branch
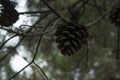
[(19, 71), (93, 5), (98, 19), (3, 58), (37, 47), (53, 10), (98, 10), (101, 17), (32, 60), (40, 38), (41, 71), (11, 31), (10, 52), (7, 41), (34, 12)]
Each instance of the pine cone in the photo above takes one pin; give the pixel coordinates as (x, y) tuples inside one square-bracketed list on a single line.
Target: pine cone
[(70, 38), (115, 15), (9, 14)]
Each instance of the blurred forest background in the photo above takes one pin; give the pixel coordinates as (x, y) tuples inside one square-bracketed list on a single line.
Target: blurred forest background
[(31, 41)]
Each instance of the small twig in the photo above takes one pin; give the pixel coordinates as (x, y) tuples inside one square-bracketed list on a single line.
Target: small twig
[(7, 41), (3, 58), (40, 38), (53, 10), (101, 17), (19, 71), (10, 52), (98, 19), (93, 5), (37, 47), (98, 10), (11, 31), (17, 45), (34, 12), (41, 71)]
